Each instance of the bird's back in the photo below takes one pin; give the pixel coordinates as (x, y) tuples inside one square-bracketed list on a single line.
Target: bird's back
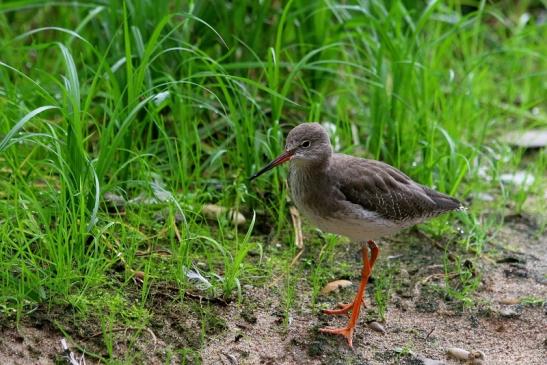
[(381, 188), (364, 199)]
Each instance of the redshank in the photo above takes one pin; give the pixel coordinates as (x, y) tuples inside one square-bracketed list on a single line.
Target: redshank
[(353, 197)]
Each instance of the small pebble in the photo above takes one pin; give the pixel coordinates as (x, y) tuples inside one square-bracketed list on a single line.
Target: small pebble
[(375, 326), (511, 311)]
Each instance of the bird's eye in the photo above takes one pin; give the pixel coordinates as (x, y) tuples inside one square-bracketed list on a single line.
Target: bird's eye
[(306, 144)]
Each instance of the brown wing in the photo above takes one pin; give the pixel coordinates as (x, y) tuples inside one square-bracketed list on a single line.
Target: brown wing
[(383, 189)]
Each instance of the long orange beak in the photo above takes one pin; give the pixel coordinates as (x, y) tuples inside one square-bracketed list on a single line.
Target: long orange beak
[(282, 158)]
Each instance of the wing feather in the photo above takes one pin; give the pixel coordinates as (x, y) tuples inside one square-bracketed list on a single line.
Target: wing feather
[(381, 188)]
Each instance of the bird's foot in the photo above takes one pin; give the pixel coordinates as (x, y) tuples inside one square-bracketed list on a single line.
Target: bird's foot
[(347, 332)]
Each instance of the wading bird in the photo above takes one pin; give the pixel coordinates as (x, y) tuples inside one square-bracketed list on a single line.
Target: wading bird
[(353, 197)]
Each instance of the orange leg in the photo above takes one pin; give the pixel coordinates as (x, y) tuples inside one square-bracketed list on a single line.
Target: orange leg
[(345, 308), (355, 307)]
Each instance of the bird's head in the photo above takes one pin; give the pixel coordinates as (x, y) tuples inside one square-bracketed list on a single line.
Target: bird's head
[(307, 145)]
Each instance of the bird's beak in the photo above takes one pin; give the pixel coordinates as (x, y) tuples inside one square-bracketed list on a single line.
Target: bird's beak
[(282, 158)]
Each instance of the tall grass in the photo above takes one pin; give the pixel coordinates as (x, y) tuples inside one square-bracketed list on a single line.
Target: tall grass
[(124, 97)]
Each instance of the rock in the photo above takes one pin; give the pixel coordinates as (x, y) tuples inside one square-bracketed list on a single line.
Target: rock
[(335, 286), (518, 178), (535, 138), (376, 327), (511, 311), (516, 270)]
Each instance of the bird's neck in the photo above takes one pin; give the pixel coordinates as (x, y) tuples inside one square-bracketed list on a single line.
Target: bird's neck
[(308, 170), (310, 166)]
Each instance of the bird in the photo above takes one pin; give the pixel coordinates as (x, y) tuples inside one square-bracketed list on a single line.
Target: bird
[(358, 198)]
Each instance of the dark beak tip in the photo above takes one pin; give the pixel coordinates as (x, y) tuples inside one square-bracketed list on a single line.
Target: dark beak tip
[(284, 157)]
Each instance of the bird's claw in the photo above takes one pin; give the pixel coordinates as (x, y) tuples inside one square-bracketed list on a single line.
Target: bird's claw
[(347, 332), (344, 309)]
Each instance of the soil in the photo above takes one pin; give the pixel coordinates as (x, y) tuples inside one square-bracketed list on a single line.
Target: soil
[(507, 320)]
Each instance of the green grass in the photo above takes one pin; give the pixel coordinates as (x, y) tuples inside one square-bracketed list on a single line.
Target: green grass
[(172, 105)]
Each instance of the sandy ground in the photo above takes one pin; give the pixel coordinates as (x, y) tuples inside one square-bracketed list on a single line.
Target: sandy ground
[(505, 332), (419, 325)]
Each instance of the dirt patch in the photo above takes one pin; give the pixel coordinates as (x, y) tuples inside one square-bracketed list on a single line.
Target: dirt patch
[(29, 345), (506, 321)]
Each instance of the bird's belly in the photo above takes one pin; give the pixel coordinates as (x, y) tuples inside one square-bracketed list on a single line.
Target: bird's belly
[(357, 229)]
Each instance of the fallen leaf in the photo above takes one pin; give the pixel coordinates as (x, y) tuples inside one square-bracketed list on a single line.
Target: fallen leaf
[(231, 358), (509, 300), (477, 354), (213, 211), (335, 286), (297, 224), (138, 276), (457, 353)]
